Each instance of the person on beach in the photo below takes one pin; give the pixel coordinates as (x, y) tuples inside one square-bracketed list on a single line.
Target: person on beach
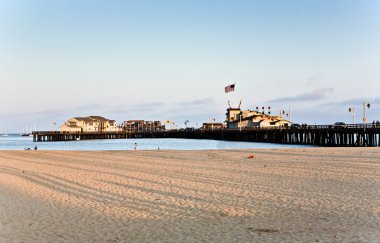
[(135, 146)]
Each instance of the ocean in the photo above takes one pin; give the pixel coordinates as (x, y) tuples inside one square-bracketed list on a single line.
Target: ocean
[(17, 142)]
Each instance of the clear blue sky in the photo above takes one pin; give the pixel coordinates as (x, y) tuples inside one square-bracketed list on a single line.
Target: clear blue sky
[(170, 60)]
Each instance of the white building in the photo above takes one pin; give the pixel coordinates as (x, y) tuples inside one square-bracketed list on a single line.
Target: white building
[(236, 118), (90, 124)]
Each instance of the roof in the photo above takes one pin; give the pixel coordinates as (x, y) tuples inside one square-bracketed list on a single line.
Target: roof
[(93, 119), (99, 118), (276, 121), (85, 119), (133, 121)]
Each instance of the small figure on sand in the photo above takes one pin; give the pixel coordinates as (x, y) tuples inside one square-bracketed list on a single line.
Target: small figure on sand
[(35, 147)]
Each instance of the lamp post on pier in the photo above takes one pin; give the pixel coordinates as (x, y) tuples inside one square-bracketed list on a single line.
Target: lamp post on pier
[(352, 110), (186, 122), (368, 105), (212, 123), (283, 112)]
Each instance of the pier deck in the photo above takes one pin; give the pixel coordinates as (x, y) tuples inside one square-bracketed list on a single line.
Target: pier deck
[(326, 135)]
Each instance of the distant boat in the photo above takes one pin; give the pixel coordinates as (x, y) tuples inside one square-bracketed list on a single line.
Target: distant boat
[(5, 134), (25, 133)]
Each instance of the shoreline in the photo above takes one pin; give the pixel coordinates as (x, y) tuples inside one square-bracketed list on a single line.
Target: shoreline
[(287, 195)]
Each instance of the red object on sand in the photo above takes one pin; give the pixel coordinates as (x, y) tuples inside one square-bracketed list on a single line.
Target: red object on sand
[(251, 156)]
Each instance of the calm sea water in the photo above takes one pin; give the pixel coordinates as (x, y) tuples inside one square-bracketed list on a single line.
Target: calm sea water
[(16, 142)]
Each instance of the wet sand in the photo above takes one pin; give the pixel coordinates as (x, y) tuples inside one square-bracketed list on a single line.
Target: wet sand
[(280, 195)]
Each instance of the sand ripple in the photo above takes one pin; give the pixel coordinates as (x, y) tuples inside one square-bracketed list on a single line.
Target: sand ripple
[(293, 195)]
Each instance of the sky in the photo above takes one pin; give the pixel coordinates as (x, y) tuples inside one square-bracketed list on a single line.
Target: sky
[(170, 60)]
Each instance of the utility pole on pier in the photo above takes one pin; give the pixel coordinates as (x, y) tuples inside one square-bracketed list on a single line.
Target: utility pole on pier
[(241, 113)]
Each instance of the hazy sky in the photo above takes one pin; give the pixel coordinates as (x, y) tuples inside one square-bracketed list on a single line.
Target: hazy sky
[(170, 60)]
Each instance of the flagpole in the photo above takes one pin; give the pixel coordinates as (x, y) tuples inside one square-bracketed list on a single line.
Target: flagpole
[(229, 89), (235, 95)]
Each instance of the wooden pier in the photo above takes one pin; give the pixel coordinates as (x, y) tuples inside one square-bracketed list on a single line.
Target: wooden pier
[(327, 135)]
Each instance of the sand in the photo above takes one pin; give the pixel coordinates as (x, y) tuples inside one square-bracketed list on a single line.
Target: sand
[(280, 195)]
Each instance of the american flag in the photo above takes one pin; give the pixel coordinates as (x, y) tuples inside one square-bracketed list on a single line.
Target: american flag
[(229, 88)]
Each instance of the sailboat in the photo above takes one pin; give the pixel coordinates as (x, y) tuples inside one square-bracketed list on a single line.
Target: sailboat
[(35, 130), (28, 134), (24, 133)]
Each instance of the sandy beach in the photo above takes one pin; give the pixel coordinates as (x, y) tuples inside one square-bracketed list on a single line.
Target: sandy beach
[(279, 195)]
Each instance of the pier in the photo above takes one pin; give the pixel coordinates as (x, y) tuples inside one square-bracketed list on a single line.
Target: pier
[(358, 135)]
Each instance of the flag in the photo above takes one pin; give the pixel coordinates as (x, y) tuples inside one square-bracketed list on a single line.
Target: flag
[(229, 88)]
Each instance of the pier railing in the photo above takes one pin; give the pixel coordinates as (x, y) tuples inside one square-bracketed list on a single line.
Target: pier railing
[(304, 126)]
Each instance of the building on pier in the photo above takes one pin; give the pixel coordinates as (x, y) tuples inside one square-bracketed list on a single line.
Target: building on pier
[(141, 125), (90, 124), (237, 118), (211, 126)]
